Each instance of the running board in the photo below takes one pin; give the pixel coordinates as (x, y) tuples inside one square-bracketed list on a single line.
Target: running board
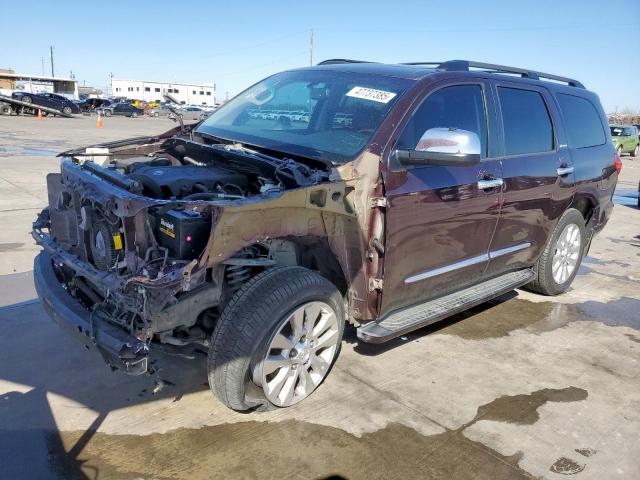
[(408, 319)]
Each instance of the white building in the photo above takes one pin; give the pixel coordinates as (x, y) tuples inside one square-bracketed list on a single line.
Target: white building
[(185, 93)]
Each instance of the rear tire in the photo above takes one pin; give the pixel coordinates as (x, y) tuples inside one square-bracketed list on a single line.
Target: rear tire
[(107, 113), (134, 115), (258, 322), (27, 99), (557, 266), (636, 151)]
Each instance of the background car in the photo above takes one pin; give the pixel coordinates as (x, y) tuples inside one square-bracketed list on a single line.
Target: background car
[(160, 111), (192, 114), (90, 104), (123, 108), (625, 139), (50, 100)]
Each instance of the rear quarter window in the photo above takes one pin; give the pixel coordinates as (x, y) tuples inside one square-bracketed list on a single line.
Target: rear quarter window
[(526, 122), (582, 121)]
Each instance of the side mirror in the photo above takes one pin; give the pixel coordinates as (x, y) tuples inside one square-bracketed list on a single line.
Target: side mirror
[(443, 146)]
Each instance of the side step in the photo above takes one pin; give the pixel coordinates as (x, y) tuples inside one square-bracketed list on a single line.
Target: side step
[(408, 319)]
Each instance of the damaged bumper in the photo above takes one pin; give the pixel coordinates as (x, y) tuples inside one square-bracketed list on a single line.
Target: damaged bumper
[(119, 349)]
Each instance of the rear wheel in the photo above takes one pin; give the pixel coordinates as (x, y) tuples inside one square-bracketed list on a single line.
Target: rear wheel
[(557, 266), (636, 151), (276, 340), (107, 113), (27, 99), (619, 150), (134, 115)]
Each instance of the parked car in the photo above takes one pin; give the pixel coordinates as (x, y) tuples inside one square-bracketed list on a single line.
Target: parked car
[(90, 104), (160, 111), (625, 139), (448, 187), (122, 108), (191, 114), (50, 100)]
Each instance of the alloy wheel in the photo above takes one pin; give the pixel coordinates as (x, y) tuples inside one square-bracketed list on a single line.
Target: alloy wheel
[(300, 353), (567, 253)]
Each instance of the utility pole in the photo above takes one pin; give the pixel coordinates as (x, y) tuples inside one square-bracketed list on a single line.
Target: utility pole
[(311, 49), (42, 59), (51, 55)]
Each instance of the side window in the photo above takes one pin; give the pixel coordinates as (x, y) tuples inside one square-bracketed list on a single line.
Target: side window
[(582, 121), (526, 122), (460, 107)]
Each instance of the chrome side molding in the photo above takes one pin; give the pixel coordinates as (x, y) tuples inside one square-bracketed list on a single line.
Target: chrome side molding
[(467, 262)]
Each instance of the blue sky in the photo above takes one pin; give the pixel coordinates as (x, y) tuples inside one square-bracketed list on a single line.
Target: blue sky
[(235, 44)]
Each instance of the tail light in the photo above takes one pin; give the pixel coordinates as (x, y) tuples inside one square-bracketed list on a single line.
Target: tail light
[(617, 162)]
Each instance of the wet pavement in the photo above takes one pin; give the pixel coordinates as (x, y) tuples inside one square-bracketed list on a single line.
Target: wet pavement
[(523, 386)]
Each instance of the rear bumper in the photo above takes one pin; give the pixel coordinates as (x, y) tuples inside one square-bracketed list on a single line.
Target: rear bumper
[(119, 349)]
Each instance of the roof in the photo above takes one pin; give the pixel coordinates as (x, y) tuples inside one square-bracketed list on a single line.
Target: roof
[(411, 72), (208, 85), (419, 70), (20, 76)]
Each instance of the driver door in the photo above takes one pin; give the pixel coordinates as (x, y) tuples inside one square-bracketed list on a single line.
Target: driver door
[(440, 219)]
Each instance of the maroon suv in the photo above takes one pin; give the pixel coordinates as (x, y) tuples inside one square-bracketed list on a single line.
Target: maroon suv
[(383, 196)]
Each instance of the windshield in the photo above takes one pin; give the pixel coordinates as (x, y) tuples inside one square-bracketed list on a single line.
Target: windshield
[(616, 131), (325, 115)]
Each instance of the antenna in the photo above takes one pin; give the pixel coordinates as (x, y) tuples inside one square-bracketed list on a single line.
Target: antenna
[(311, 49)]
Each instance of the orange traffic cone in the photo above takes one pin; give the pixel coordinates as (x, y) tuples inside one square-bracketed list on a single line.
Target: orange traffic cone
[(39, 116), (99, 123)]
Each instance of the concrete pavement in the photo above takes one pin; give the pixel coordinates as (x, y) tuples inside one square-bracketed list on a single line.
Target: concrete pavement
[(522, 387)]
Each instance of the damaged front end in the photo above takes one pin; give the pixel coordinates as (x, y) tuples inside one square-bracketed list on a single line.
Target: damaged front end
[(142, 240)]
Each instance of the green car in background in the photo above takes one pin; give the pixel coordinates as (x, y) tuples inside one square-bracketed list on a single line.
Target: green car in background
[(625, 139)]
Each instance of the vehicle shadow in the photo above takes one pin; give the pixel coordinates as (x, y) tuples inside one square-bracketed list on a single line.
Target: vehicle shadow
[(38, 361)]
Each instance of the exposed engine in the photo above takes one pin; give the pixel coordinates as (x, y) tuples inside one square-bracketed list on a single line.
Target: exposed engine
[(187, 170)]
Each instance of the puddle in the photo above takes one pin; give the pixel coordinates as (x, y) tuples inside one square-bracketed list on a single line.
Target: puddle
[(287, 449), (523, 409), (26, 152), (502, 316)]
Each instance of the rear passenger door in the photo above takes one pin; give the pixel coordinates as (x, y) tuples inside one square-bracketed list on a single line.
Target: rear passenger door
[(537, 171), (440, 219)]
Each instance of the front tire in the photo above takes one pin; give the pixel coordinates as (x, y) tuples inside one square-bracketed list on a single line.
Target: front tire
[(27, 99), (66, 110), (559, 263), (276, 340)]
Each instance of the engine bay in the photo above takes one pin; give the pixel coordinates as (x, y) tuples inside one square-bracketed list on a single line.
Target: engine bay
[(182, 169)]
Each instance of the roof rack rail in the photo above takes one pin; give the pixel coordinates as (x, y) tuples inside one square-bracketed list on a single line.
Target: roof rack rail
[(466, 65), (337, 61)]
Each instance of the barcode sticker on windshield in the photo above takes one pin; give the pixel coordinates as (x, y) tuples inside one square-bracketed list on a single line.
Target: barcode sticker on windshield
[(371, 94)]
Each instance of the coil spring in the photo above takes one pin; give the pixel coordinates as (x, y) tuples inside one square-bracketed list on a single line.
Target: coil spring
[(237, 275)]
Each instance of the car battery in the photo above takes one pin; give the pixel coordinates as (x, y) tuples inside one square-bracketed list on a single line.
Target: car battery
[(184, 232)]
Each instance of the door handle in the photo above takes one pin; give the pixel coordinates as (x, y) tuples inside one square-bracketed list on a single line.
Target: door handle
[(491, 183), (562, 171)]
